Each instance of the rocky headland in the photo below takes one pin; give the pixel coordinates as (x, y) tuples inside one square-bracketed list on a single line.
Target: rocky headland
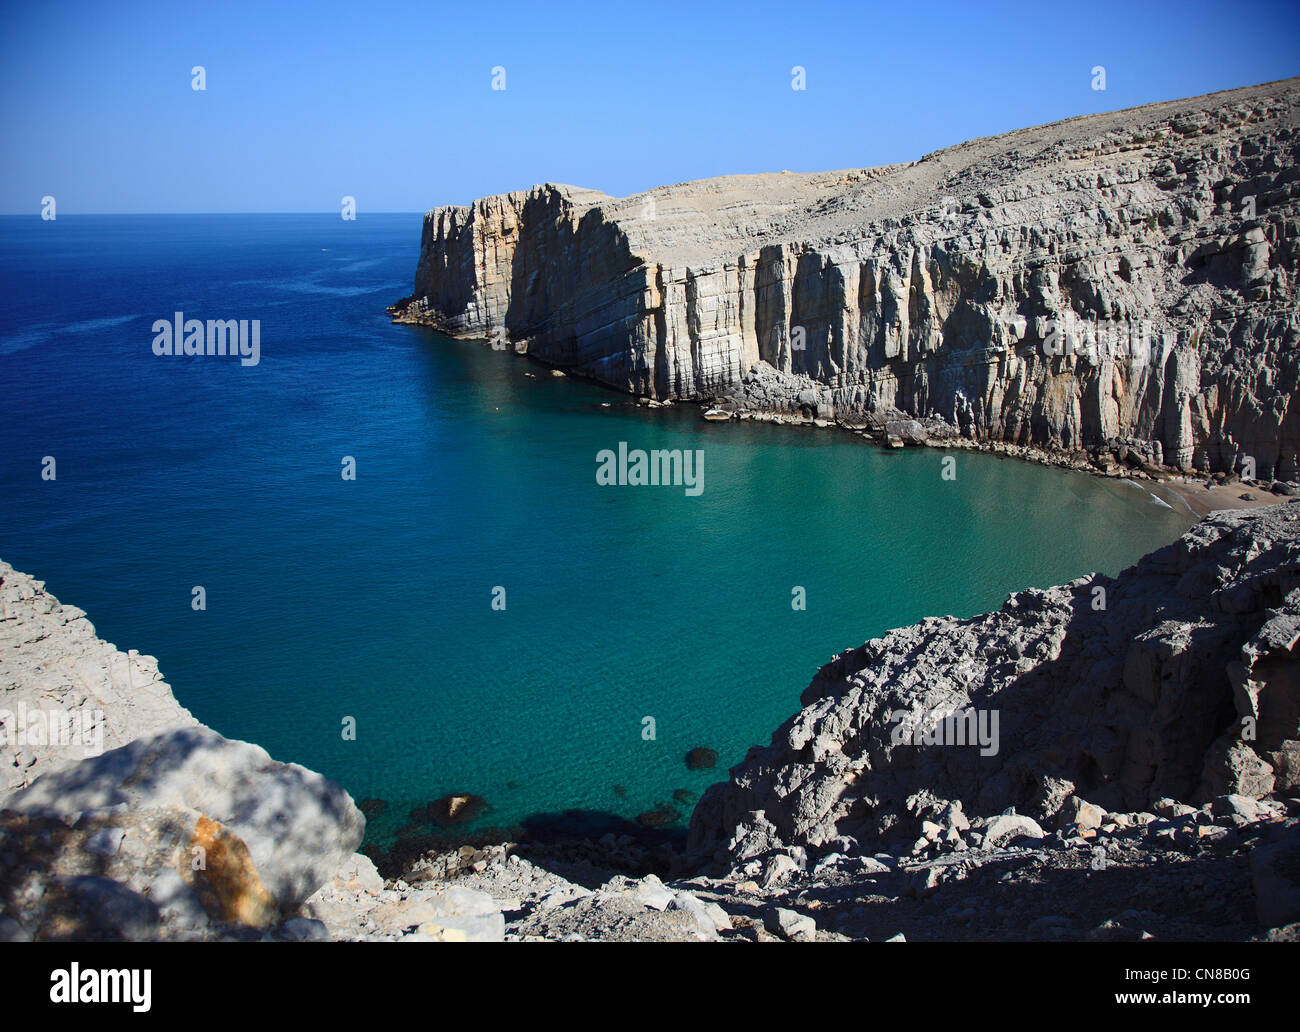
[(1114, 292), (1142, 780)]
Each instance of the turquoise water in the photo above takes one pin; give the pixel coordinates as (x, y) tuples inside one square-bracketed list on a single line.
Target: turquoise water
[(372, 598)]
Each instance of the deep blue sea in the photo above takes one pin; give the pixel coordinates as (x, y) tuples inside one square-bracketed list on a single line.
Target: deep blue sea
[(372, 599)]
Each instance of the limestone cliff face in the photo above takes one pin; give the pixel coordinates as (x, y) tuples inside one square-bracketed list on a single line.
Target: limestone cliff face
[(1157, 245)]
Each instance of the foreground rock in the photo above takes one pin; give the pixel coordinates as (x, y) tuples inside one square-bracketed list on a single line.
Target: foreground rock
[(132, 820), (1191, 877), (503, 895), (181, 834), (1099, 701), (932, 289), (227, 799)]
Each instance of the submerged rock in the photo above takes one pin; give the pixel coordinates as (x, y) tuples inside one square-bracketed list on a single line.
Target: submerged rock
[(456, 808), (659, 817), (701, 758)]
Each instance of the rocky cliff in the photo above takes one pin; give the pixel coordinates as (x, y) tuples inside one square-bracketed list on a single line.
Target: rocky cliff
[(1117, 282), (123, 817), (1177, 680)]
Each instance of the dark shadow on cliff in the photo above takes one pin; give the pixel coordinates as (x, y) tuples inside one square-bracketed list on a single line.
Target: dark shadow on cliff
[(1169, 897)]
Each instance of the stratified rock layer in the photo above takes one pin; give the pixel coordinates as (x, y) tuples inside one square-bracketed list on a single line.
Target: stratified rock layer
[(932, 288), (1178, 679)]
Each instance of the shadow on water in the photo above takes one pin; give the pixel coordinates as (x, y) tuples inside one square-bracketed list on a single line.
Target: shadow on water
[(563, 841)]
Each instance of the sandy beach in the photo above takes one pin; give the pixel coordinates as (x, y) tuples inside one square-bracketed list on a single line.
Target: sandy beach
[(1202, 500)]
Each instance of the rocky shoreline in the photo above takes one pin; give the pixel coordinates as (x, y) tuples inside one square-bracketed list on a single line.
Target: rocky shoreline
[(1147, 755), (1200, 493)]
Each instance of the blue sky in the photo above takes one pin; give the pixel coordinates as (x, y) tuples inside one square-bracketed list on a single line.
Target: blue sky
[(392, 103)]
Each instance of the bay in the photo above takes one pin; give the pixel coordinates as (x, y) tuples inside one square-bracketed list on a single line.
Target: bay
[(371, 599)]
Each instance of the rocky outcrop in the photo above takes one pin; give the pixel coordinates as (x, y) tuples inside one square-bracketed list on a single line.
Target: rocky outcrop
[(66, 694), (1117, 282), (1176, 680), (261, 831), (507, 895)]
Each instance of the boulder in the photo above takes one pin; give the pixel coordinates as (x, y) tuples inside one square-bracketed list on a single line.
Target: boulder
[(1079, 812), (444, 915), (296, 826), (909, 431), (652, 893), (1006, 828), (1275, 872), (790, 924), (1239, 805), (190, 873)]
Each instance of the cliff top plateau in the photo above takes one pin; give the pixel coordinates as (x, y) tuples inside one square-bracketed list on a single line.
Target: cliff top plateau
[(706, 221)]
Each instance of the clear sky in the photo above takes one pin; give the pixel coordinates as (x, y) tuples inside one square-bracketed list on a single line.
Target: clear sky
[(393, 103)]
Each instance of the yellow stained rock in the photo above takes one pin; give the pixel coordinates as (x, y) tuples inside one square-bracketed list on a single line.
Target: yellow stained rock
[(232, 876)]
